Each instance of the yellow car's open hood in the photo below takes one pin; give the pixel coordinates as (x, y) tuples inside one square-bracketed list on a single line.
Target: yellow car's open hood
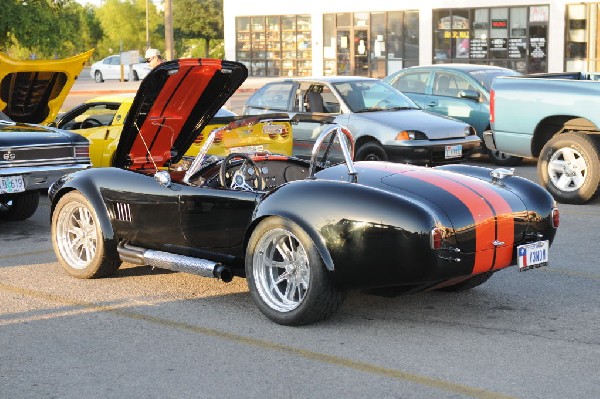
[(32, 91)]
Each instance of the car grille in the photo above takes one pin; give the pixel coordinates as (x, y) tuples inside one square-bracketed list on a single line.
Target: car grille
[(33, 156)]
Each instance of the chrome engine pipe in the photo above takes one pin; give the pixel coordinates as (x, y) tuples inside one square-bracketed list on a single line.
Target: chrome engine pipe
[(174, 262)]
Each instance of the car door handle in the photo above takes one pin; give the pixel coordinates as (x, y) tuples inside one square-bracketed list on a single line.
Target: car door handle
[(432, 104)]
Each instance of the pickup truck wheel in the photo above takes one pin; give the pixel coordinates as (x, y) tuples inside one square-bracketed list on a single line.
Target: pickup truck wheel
[(78, 241), (20, 207), (503, 159), (286, 275), (135, 76), (569, 167)]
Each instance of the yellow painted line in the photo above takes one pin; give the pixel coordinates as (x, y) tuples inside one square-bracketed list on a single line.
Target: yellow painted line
[(262, 344), (21, 254)]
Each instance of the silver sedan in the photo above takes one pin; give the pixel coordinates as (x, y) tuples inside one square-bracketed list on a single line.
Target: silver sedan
[(385, 123)]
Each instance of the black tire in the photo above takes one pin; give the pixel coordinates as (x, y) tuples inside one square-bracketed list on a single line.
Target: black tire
[(98, 77), (135, 76), (314, 298), (468, 284), (20, 206), (78, 240), (569, 167), (503, 159), (370, 151)]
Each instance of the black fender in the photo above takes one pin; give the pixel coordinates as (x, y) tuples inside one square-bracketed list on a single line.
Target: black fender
[(84, 182), (330, 211)]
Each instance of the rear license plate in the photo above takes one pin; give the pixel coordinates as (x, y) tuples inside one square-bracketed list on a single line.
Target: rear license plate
[(532, 255), (453, 151), (11, 184)]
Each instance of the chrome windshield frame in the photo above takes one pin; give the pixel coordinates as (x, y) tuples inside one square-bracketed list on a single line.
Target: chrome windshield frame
[(341, 133)]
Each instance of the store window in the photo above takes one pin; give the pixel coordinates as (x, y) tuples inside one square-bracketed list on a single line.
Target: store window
[(370, 43), (279, 45), (510, 37), (582, 38)]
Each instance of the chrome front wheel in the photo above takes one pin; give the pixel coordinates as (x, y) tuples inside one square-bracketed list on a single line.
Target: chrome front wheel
[(78, 240), (76, 235)]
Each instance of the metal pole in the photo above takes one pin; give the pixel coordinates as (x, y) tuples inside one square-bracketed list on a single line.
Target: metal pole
[(147, 28), (169, 49)]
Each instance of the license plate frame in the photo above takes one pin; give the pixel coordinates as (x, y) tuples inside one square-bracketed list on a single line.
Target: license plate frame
[(453, 151), (11, 184), (533, 255)]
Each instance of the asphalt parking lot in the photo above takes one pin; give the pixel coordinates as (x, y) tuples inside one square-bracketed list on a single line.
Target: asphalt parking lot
[(156, 334)]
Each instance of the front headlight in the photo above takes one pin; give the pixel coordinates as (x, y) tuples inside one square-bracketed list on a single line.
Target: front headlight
[(411, 135)]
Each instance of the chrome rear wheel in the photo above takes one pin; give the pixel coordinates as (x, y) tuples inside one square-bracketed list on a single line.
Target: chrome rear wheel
[(286, 275), (282, 271)]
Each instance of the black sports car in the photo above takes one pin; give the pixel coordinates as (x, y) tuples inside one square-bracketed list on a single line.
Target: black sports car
[(302, 232)]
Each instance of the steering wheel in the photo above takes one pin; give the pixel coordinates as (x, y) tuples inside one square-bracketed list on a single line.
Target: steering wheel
[(90, 122), (246, 177)]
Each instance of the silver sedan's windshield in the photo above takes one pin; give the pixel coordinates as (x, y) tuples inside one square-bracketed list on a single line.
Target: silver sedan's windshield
[(372, 95)]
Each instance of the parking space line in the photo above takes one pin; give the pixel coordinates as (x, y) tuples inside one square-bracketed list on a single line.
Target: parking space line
[(21, 254), (254, 342)]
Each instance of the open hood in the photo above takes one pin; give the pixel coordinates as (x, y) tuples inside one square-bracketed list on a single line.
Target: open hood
[(174, 102), (32, 91)]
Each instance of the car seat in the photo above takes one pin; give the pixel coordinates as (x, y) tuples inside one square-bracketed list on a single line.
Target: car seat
[(314, 101)]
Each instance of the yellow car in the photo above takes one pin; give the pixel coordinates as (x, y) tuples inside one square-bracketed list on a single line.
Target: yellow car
[(100, 120)]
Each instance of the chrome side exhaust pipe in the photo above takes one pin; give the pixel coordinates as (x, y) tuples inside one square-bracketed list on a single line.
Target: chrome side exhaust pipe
[(175, 262)]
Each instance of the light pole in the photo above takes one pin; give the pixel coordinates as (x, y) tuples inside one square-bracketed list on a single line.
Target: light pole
[(168, 31), (147, 28)]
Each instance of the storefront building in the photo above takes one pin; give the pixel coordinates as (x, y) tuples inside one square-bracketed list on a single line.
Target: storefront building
[(315, 38)]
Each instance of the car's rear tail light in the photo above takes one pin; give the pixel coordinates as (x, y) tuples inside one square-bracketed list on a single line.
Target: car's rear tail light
[(555, 218), (492, 105), (82, 152), (435, 238), (274, 131), (199, 139)]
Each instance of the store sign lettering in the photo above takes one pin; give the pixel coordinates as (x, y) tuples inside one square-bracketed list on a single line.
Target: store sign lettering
[(456, 34)]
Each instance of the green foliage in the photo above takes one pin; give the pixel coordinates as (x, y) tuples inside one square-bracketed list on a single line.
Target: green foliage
[(199, 19), (62, 28)]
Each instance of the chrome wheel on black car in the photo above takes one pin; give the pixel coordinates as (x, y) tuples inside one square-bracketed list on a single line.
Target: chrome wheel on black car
[(286, 276), (78, 240)]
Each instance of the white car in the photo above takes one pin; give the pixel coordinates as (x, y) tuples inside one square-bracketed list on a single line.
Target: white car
[(110, 68)]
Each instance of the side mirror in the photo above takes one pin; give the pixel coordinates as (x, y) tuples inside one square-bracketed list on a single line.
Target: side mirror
[(470, 94)]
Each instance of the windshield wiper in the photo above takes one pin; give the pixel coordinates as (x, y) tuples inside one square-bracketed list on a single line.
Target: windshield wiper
[(404, 108)]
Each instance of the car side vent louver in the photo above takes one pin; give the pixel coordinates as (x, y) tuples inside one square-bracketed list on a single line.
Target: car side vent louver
[(122, 212)]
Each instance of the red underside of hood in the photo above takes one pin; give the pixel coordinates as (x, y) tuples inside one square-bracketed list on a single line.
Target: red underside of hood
[(174, 102)]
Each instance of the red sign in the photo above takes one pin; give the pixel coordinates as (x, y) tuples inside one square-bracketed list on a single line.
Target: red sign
[(499, 23)]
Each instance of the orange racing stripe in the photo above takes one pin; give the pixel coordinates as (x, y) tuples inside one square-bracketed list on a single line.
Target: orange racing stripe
[(505, 223), (483, 215)]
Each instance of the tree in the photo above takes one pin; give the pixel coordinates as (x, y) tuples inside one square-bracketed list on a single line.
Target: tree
[(47, 28), (199, 19), (124, 25)]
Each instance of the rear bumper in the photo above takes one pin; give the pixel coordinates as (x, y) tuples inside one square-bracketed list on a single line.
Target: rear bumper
[(40, 178), (431, 152), (488, 140)]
